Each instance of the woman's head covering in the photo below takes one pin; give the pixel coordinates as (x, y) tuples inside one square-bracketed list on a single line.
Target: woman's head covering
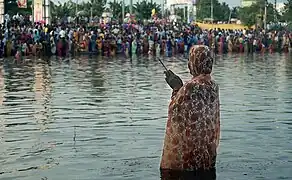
[(200, 60)]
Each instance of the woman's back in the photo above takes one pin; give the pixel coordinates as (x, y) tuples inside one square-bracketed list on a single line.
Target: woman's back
[(193, 126), (192, 134)]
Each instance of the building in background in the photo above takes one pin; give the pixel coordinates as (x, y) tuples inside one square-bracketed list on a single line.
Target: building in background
[(189, 7)]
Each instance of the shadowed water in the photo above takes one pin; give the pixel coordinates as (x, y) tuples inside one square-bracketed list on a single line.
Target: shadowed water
[(100, 118)]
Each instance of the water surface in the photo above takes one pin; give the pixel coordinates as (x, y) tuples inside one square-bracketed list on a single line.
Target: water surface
[(100, 118)]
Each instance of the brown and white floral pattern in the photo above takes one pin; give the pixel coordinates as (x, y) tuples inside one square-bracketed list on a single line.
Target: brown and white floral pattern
[(193, 126)]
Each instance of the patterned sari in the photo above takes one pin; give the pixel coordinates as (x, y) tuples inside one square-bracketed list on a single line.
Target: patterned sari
[(193, 126)]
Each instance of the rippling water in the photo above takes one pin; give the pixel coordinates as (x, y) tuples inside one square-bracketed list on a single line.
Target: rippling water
[(100, 118)]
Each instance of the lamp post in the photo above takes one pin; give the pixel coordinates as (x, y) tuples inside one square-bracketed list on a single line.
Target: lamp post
[(275, 11), (212, 9), (184, 13), (131, 7), (163, 2), (47, 12), (265, 16), (123, 10), (76, 8), (91, 16), (32, 8)]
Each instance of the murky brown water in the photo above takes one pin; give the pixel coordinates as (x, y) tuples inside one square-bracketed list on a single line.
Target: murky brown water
[(100, 118)]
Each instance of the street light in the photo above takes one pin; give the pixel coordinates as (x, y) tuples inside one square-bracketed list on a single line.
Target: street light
[(131, 6), (123, 10), (212, 11), (275, 11), (76, 8), (265, 16)]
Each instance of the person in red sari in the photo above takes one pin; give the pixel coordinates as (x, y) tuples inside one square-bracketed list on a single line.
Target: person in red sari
[(193, 125)]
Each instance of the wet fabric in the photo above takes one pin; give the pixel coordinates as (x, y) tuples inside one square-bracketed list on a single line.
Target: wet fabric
[(188, 175), (62, 47), (193, 126)]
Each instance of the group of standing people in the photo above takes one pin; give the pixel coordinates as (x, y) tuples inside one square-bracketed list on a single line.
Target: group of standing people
[(128, 40)]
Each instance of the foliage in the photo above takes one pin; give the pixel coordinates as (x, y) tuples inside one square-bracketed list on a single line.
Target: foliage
[(221, 11), (271, 12), (247, 15), (62, 10), (98, 7), (287, 14), (179, 12), (250, 16), (289, 26), (234, 12), (68, 8), (143, 9), (116, 9)]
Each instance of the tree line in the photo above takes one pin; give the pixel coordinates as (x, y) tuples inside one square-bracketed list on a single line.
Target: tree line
[(59, 10), (221, 11)]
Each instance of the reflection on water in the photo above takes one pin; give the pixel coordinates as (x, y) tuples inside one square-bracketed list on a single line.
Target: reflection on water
[(102, 118), (42, 89), (1, 85)]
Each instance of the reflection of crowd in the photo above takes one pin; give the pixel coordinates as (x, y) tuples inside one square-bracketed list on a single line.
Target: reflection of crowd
[(130, 39), (1, 86)]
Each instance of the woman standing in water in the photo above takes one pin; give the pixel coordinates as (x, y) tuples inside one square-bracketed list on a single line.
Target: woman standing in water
[(193, 126)]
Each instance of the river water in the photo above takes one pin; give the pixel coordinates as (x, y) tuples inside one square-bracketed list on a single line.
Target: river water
[(100, 118)]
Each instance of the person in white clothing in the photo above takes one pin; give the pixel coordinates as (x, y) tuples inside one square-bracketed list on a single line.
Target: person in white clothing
[(62, 34)]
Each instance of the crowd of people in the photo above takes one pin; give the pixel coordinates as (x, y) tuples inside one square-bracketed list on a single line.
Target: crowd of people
[(133, 39)]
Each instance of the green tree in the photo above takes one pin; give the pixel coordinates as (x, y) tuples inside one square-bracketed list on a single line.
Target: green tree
[(116, 9), (98, 7), (224, 12), (271, 13), (287, 14), (85, 7), (203, 10), (247, 15), (61, 10), (143, 9), (234, 12), (179, 12), (221, 12), (254, 14)]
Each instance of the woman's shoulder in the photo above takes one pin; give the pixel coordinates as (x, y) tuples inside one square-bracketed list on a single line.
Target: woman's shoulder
[(201, 85)]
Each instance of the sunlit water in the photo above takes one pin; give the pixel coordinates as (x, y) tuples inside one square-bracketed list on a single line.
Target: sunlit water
[(101, 118)]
